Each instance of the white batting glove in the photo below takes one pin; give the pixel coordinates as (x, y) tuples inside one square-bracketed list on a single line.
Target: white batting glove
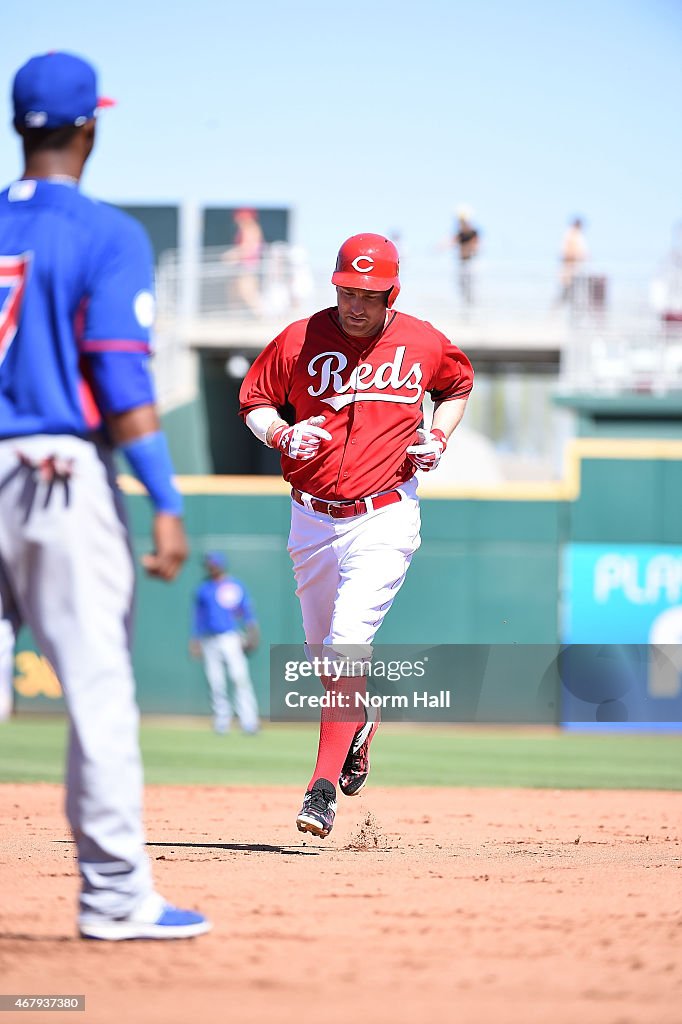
[(427, 454), (301, 441)]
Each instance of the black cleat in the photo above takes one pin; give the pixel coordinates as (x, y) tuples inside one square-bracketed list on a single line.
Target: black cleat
[(356, 766), (319, 807)]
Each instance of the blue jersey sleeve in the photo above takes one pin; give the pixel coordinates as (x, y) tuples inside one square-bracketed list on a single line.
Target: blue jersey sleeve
[(120, 380), (246, 610), (118, 315), (120, 307)]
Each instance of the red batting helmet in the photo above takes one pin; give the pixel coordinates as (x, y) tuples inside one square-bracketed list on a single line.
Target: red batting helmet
[(370, 262)]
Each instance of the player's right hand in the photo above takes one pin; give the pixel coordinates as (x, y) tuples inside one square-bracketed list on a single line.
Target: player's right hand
[(303, 440), (170, 547)]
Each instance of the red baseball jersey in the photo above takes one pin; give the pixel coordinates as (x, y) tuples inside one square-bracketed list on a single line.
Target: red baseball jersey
[(369, 389)]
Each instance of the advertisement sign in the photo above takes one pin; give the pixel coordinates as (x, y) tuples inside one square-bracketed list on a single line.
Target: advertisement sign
[(621, 614)]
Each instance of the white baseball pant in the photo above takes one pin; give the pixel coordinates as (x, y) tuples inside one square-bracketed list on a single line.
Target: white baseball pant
[(348, 571), (7, 637), (224, 651), (67, 571)]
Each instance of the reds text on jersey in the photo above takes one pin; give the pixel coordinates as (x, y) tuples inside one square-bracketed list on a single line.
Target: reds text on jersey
[(76, 308), (369, 389)]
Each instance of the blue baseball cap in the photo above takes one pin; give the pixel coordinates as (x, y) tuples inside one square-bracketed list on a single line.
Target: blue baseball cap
[(56, 89), (216, 558)]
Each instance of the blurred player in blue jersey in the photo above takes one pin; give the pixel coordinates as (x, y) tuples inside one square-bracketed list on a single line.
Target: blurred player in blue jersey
[(222, 609), (76, 307)]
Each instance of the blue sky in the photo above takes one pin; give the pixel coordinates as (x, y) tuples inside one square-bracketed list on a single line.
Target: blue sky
[(385, 116)]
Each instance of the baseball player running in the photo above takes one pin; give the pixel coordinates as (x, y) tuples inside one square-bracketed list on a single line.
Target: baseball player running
[(75, 312), (340, 396)]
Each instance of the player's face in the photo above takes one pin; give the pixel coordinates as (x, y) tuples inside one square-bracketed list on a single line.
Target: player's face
[(362, 314)]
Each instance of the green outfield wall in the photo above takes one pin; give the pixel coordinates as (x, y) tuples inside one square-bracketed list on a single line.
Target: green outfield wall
[(488, 571)]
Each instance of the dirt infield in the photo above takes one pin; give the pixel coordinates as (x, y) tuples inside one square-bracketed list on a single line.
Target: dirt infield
[(448, 905)]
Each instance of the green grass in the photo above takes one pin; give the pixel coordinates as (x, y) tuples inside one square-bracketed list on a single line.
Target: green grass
[(187, 752)]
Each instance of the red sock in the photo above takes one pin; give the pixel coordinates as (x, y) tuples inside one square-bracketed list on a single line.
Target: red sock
[(336, 735)]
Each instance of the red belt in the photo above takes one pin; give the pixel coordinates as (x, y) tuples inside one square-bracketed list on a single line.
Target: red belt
[(347, 509)]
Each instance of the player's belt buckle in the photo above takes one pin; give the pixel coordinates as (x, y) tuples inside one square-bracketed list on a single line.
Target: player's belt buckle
[(347, 509), (337, 510)]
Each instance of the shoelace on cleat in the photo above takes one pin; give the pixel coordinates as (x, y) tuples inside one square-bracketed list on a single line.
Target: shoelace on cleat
[(319, 800)]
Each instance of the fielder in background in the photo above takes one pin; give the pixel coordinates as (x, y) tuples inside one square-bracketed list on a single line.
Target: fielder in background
[(77, 306), (340, 396), (224, 627)]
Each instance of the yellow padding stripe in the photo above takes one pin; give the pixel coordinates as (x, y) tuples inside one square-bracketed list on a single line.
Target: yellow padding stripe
[(566, 489)]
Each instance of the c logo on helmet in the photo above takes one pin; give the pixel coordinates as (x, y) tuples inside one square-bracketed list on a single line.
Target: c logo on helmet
[(367, 260)]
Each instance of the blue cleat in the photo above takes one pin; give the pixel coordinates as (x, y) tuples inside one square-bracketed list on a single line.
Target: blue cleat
[(152, 919)]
